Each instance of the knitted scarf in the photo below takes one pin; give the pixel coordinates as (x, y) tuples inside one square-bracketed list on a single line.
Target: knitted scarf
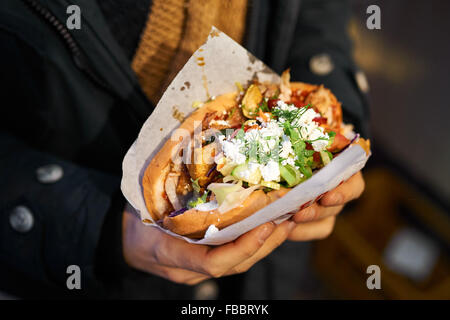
[(174, 30)]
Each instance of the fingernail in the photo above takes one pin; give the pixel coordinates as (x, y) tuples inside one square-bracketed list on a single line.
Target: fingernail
[(308, 214), (264, 233)]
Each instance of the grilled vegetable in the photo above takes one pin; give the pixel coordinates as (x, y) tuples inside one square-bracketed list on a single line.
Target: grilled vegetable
[(202, 162), (251, 101)]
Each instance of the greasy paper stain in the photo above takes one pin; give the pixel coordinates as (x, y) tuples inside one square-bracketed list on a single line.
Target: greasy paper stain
[(251, 58), (205, 85), (214, 33), (201, 61), (176, 114), (266, 69)]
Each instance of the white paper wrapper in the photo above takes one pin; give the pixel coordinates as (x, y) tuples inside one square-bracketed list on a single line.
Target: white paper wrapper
[(213, 70)]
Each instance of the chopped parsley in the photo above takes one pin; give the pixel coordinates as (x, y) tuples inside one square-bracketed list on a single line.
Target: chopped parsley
[(202, 199)]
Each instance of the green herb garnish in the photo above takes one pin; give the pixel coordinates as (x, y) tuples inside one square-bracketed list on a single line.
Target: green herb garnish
[(202, 199), (263, 106)]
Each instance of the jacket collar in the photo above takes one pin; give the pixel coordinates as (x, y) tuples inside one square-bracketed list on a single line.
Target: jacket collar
[(270, 29), (105, 56)]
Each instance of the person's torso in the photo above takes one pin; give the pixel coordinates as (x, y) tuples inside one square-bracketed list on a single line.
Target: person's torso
[(87, 104)]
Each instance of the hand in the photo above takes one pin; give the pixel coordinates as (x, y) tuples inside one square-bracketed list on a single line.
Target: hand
[(317, 221), (151, 250)]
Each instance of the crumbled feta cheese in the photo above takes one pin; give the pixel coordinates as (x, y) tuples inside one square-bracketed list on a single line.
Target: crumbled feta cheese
[(272, 143), (319, 139), (315, 133), (286, 147), (232, 150), (273, 129), (271, 171), (289, 160), (251, 169), (308, 116), (319, 145), (252, 135), (286, 107)]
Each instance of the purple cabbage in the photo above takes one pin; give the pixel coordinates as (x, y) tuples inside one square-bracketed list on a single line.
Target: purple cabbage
[(211, 170), (354, 138), (178, 212)]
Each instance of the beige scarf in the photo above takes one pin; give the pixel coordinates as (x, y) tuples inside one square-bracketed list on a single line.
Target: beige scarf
[(174, 30)]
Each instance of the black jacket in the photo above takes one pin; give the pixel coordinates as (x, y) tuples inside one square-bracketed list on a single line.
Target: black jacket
[(70, 98)]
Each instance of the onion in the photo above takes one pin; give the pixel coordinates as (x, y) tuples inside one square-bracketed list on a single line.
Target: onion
[(234, 199), (229, 178), (170, 187)]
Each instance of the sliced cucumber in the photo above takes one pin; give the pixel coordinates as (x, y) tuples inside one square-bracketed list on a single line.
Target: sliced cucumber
[(291, 175), (270, 184), (245, 173), (325, 157), (227, 168), (306, 171)]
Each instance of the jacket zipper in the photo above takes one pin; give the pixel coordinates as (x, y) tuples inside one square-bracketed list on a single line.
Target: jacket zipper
[(77, 55)]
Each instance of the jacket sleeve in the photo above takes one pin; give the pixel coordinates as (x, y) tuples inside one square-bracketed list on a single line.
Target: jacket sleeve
[(67, 214), (322, 29), (76, 219)]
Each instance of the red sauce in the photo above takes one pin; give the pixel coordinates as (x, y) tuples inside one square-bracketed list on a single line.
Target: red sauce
[(320, 120), (246, 128), (299, 104), (316, 157), (339, 143), (272, 103)]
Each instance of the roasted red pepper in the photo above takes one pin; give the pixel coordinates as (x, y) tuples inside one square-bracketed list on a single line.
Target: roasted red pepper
[(339, 143)]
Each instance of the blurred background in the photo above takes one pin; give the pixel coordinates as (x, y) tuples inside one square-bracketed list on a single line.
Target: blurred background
[(405, 228)]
